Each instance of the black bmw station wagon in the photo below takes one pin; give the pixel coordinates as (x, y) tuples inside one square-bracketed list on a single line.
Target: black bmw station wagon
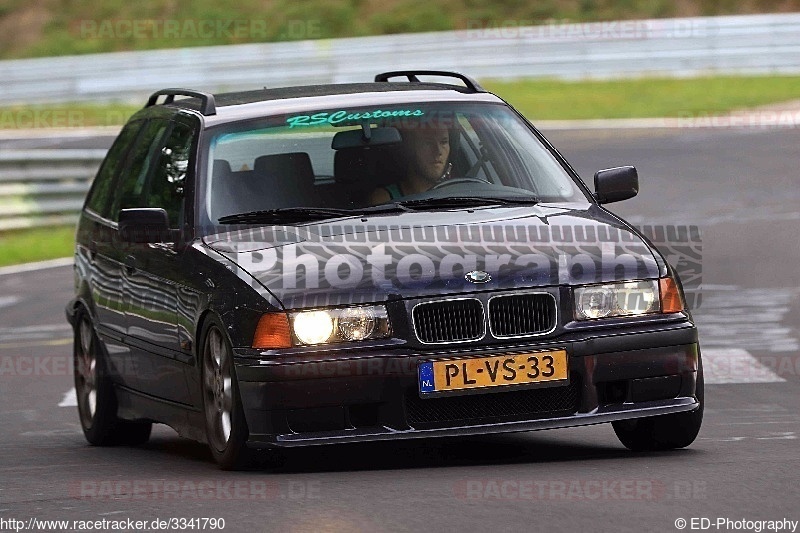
[(357, 262)]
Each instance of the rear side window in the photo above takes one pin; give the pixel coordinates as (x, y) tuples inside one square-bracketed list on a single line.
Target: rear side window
[(101, 194)]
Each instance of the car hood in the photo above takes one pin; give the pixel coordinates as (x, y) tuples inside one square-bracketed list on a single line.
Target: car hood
[(418, 254)]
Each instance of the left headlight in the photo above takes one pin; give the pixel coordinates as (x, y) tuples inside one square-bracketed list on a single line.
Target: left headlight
[(617, 299), (340, 325)]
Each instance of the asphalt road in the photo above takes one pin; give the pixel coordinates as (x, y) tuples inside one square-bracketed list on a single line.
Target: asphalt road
[(739, 186)]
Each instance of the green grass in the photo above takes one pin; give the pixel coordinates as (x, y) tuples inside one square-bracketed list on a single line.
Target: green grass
[(550, 99), (36, 244), (65, 115), (35, 28), (536, 99)]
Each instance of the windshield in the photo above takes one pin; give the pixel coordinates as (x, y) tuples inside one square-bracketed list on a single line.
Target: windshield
[(426, 155)]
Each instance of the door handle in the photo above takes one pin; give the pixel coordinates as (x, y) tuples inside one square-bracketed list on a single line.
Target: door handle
[(130, 263)]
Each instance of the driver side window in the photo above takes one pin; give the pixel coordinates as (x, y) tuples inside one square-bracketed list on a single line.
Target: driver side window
[(133, 177), (155, 174), (167, 183)]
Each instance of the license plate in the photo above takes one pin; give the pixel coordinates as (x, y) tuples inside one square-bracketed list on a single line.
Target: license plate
[(494, 371)]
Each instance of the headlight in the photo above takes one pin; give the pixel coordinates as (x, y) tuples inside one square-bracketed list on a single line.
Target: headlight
[(357, 323), (617, 299), (340, 325), (313, 327)]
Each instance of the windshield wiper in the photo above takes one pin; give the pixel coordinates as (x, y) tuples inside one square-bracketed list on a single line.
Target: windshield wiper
[(455, 202), (293, 215), (288, 215)]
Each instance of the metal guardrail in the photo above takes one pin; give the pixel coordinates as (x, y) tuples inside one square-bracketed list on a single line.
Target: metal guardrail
[(666, 47), (44, 187)]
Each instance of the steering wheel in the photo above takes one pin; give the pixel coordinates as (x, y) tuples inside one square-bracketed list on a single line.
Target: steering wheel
[(456, 181)]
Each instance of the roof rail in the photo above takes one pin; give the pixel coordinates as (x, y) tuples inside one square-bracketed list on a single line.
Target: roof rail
[(207, 104), (470, 83)]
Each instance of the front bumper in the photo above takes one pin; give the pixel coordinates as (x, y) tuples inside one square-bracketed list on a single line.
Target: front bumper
[(363, 395)]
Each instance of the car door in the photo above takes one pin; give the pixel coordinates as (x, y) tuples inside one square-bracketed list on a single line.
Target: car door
[(99, 257), (156, 179)]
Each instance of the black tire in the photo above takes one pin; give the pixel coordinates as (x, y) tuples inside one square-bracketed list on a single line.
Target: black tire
[(97, 401), (664, 432), (225, 424)]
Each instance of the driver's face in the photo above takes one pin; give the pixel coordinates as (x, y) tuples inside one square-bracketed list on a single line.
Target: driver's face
[(428, 152)]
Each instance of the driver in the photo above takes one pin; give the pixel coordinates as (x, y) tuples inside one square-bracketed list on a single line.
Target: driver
[(427, 151)]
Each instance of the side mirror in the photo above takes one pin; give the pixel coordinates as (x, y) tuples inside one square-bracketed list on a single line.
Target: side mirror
[(616, 184), (144, 225)]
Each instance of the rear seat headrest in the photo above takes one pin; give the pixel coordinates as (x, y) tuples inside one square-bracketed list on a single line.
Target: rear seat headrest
[(368, 166), (288, 168)]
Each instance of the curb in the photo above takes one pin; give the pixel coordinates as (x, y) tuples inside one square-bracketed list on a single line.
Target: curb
[(44, 133), (39, 265)]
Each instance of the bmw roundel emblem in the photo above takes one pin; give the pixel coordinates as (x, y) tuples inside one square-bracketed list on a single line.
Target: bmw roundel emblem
[(478, 276)]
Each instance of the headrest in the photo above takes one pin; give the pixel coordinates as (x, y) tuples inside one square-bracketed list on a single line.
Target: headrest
[(221, 168), (369, 166), (284, 168)]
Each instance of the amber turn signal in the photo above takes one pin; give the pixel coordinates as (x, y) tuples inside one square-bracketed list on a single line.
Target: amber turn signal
[(273, 331), (671, 301)]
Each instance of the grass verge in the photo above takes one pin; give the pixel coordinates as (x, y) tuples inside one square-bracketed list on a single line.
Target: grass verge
[(36, 244), (536, 99), (641, 98)]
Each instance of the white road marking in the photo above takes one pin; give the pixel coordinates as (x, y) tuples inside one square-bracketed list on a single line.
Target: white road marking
[(8, 301), (70, 398), (42, 331), (747, 319), (712, 287), (784, 435), (41, 265), (724, 439), (782, 422), (732, 365)]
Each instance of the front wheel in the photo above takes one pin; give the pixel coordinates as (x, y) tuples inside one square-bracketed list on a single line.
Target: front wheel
[(663, 432), (97, 401), (226, 427)]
